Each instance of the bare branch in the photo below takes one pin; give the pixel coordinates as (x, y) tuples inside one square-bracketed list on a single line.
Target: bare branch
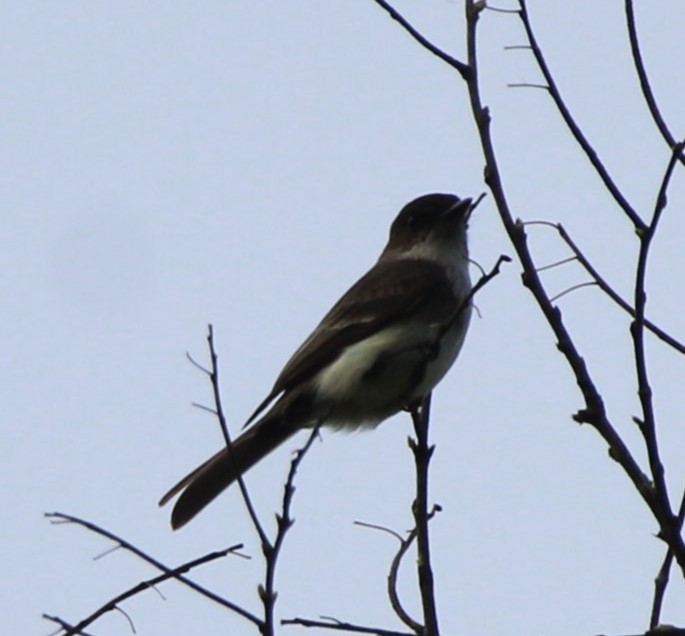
[(60, 517), (573, 127), (216, 391), (594, 412), (66, 627), (420, 415), (143, 586), (558, 263), (609, 290), (669, 530), (284, 522), (543, 87), (661, 580), (645, 85), (128, 618), (343, 627), (573, 288), (393, 595), (460, 67), (196, 364)]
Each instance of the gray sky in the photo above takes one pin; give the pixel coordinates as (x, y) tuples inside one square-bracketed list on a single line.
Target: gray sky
[(168, 164)]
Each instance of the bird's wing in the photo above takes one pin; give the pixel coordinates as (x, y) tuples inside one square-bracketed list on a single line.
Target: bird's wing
[(389, 291)]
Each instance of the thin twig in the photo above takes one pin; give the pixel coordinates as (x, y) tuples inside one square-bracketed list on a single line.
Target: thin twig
[(128, 618), (498, 10), (342, 626), (460, 67), (393, 594), (609, 290), (645, 84), (197, 365), (284, 522), (669, 528), (543, 87), (558, 263), (65, 627), (570, 122), (594, 412), (60, 517), (393, 574), (420, 414), (113, 604), (573, 288), (216, 391), (661, 580)]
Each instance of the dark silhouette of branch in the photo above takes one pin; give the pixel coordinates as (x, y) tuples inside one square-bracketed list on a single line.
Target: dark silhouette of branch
[(143, 586), (65, 627), (284, 522), (422, 451), (219, 411), (645, 85), (662, 578), (570, 122), (59, 517), (669, 524), (341, 626), (270, 549), (393, 595), (601, 282), (594, 412), (460, 67)]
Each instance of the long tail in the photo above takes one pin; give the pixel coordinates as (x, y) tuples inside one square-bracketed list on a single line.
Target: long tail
[(209, 479)]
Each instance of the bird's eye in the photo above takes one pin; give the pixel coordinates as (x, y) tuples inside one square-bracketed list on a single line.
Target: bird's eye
[(413, 222)]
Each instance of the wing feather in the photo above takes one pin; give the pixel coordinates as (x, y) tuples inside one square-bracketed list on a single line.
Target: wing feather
[(389, 291)]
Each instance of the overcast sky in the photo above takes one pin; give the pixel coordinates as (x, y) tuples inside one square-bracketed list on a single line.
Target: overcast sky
[(170, 164)]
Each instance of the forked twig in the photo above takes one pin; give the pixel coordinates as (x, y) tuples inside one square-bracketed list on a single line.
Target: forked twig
[(669, 528), (284, 522), (594, 412), (420, 415), (59, 517), (602, 283), (662, 578)]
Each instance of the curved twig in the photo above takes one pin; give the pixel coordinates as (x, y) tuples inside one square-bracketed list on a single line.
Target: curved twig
[(669, 524), (573, 127), (393, 574), (460, 67), (645, 85)]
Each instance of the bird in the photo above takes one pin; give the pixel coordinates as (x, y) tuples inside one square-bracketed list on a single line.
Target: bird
[(382, 347)]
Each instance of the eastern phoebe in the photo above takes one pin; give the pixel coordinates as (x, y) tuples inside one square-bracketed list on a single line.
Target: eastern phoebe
[(385, 344)]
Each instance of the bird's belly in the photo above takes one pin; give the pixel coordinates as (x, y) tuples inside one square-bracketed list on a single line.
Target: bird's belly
[(379, 376)]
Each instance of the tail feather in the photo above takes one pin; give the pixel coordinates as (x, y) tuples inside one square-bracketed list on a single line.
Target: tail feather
[(208, 480)]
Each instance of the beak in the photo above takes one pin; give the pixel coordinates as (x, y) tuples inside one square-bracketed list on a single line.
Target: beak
[(460, 208)]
